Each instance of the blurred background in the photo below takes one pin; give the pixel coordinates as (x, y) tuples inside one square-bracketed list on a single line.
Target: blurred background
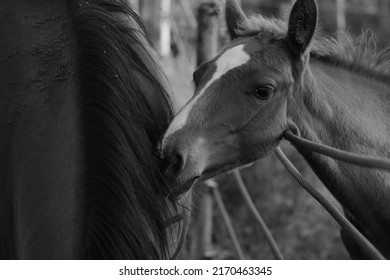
[(301, 227)]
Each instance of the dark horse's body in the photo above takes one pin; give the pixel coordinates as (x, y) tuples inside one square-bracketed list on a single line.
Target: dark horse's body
[(82, 106)]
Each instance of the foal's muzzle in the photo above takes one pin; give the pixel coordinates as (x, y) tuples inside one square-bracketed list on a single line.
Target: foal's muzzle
[(194, 154), (172, 162)]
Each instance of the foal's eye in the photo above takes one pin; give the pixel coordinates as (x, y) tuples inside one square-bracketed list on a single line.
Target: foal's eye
[(264, 92)]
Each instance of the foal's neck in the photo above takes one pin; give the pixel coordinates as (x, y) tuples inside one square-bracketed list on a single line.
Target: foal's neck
[(349, 111), (352, 108)]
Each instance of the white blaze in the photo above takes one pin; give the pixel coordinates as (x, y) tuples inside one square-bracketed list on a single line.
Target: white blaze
[(230, 59)]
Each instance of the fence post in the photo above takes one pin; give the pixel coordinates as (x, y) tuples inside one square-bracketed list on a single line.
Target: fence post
[(156, 15), (165, 28), (207, 48), (201, 237), (207, 42)]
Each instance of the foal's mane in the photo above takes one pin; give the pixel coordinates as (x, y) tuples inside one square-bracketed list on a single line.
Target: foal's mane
[(123, 191), (360, 53)]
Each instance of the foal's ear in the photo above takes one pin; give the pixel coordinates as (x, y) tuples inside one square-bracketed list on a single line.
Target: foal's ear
[(301, 26), (233, 16)]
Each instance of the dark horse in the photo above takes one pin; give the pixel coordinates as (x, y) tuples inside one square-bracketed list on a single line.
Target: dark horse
[(83, 104), (276, 76)]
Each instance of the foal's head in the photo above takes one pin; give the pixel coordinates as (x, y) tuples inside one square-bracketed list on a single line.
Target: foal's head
[(239, 110)]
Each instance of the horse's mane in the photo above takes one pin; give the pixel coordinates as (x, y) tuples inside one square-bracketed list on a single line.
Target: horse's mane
[(360, 53), (123, 191)]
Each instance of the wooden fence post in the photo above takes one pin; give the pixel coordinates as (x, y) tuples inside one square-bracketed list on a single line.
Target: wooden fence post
[(157, 17), (165, 28), (201, 238), (207, 48), (207, 43)]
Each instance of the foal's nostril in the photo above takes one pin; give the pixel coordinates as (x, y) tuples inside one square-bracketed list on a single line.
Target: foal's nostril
[(177, 164), (172, 163)]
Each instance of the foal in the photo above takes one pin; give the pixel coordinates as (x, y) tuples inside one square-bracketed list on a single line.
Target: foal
[(275, 76)]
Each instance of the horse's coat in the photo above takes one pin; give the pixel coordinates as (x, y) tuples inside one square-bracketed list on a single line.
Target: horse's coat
[(82, 106)]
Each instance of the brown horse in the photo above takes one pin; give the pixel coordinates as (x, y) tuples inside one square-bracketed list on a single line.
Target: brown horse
[(275, 76), (83, 104)]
